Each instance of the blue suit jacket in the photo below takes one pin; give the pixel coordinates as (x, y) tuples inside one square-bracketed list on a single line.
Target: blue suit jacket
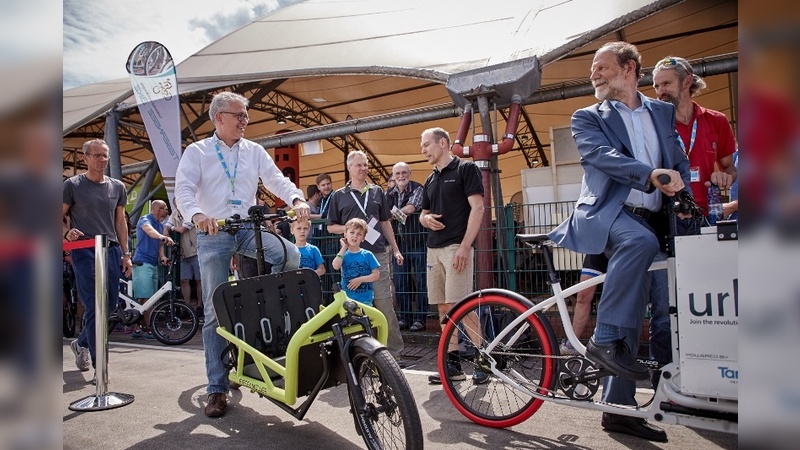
[(611, 171)]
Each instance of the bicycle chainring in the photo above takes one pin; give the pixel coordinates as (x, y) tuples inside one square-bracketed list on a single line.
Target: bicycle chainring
[(130, 316), (578, 378)]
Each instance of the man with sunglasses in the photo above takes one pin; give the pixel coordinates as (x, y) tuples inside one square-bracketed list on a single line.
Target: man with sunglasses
[(705, 135), (218, 177)]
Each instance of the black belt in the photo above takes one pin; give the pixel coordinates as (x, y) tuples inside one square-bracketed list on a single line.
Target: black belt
[(113, 244), (138, 263), (644, 213)]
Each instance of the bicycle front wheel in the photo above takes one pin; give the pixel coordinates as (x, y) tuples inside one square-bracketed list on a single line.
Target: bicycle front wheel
[(524, 355), (391, 419), (173, 323)]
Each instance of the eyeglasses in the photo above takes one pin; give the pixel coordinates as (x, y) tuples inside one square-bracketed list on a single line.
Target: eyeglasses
[(673, 62), (241, 117), (98, 155)]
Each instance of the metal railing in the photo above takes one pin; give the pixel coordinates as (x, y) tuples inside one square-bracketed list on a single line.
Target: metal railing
[(514, 267)]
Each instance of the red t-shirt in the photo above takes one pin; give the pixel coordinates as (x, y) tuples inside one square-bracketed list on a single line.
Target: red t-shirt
[(713, 142)]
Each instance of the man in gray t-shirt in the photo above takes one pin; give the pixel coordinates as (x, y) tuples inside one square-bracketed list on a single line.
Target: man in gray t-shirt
[(95, 204)]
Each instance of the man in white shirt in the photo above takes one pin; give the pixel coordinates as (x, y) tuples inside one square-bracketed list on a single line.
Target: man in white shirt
[(218, 177)]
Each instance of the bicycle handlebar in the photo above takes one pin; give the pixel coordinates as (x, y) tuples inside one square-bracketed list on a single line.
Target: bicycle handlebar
[(255, 214), (683, 202)]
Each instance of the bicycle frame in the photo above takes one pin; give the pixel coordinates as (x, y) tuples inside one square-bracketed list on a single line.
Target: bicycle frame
[(559, 299), (310, 333), (152, 301)]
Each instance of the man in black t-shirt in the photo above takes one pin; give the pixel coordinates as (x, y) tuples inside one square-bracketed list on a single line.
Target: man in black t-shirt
[(452, 211)]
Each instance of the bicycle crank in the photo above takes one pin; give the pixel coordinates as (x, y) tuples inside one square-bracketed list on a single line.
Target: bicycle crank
[(579, 379)]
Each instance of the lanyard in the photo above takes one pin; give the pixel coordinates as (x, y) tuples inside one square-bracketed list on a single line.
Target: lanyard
[(366, 198), (691, 140), (232, 179), (324, 206)]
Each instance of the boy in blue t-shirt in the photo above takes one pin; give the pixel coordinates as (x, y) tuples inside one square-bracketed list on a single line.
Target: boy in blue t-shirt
[(359, 267), (309, 254)]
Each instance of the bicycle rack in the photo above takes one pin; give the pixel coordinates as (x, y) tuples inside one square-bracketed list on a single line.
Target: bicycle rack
[(102, 399)]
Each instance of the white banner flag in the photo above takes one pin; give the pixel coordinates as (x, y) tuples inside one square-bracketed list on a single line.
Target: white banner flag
[(155, 86)]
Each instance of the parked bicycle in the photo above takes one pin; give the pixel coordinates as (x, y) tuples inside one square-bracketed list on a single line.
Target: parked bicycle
[(172, 321), (516, 344), (285, 343), (69, 314)]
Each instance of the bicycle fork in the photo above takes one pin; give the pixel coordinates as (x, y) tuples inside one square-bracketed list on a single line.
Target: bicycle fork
[(358, 402)]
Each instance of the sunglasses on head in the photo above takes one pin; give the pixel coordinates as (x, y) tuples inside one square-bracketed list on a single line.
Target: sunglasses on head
[(673, 62)]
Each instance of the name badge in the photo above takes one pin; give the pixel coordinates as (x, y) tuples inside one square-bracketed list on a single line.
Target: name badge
[(235, 204), (372, 234), (694, 174)]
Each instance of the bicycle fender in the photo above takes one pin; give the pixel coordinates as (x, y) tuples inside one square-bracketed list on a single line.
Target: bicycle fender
[(366, 343), (495, 291)]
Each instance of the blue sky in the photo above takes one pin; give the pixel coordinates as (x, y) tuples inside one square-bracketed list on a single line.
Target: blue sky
[(99, 35)]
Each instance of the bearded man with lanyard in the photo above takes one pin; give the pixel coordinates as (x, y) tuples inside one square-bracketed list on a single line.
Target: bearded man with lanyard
[(218, 177), (360, 199), (705, 135)]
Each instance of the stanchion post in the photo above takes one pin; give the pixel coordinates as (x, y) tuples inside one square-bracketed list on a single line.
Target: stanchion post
[(102, 399), (101, 313)]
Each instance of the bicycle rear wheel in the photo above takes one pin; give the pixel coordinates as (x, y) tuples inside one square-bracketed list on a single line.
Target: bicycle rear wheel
[(69, 316), (493, 402), (391, 420), (173, 323)]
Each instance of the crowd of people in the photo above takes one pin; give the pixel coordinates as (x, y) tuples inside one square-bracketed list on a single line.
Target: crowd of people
[(411, 246)]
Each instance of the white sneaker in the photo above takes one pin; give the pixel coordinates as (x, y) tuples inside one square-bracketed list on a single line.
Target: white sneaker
[(81, 356), (566, 349)]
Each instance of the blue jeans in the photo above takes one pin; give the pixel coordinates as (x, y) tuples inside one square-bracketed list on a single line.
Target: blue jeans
[(83, 264), (413, 266), (214, 253)]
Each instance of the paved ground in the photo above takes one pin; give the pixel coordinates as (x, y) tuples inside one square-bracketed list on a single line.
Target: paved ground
[(169, 388)]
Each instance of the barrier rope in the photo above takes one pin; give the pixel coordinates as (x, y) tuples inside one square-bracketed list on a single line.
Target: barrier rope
[(80, 243)]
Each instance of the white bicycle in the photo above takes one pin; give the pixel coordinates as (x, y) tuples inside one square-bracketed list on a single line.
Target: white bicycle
[(172, 321), (516, 344)]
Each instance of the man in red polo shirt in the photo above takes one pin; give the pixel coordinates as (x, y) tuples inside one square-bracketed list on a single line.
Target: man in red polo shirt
[(705, 135)]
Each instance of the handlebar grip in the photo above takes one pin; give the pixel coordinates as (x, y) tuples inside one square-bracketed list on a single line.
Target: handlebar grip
[(664, 178), (221, 222), (291, 213)]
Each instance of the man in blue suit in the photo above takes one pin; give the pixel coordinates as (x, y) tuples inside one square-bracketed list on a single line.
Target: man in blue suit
[(625, 142)]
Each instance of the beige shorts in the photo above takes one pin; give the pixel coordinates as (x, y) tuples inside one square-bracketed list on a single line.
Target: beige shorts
[(445, 285)]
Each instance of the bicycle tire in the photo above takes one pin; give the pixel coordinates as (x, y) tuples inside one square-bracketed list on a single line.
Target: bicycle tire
[(173, 323), (392, 419), (69, 315), (495, 403)]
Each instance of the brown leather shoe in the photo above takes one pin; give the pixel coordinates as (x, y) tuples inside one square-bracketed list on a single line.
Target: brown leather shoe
[(217, 405)]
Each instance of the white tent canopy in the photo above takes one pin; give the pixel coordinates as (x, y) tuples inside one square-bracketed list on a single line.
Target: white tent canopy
[(321, 62)]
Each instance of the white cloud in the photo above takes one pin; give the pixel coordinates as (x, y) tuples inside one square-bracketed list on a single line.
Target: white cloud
[(29, 29), (99, 35)]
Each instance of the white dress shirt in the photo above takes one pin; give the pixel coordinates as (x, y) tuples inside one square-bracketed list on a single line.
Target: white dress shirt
[(202, 185)]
